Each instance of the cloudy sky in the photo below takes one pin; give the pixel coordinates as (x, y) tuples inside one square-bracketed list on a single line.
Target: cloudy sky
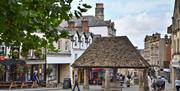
[(136, 18)]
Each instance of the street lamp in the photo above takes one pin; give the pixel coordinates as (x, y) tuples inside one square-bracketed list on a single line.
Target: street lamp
[(45, 65)]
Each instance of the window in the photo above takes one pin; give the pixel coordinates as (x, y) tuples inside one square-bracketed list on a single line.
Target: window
[(83, 42), (178, 46), (66, 45), (59, 44), (75, 56), (2, 50), (75, 41), (174, 46)]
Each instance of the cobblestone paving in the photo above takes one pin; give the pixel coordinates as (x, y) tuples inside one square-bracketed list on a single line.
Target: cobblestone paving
[(92, 88)]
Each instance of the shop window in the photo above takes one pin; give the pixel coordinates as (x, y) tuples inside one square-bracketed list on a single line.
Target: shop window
[(2, 50)]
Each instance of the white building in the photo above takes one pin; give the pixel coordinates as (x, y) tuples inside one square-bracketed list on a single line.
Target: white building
[(82, 32), (70, 49)]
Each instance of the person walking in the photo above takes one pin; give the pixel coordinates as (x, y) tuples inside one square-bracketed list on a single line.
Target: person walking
[(164, 82), (35, 80), (76, 83), (160, 84), (149, 83), (177, 83), (154, 84)]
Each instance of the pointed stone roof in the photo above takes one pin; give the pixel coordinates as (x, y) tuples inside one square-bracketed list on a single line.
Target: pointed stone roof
[(111, 52), (177, 6)]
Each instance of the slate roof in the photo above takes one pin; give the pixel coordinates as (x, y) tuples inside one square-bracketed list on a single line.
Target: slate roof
[(92, 21), (111, 52)]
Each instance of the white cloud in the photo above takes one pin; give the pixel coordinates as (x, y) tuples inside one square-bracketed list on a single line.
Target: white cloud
[(136, 18), (137, 26)]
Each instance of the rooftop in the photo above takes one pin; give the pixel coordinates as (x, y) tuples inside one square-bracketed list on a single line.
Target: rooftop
[(111, 52)]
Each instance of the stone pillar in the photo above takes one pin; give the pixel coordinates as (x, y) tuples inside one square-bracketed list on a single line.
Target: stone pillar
[(143, 80), (71, 74), (114, 74), (145, 75), (173, 77), (140, 80), (86, 79), (107, 79)]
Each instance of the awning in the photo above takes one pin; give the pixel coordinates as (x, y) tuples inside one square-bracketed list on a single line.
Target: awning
[(97, 69), (12, 62), (2, 58), (166, 70)]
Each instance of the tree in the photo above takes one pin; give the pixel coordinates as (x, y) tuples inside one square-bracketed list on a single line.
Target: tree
[(21, 20), (2, 70)]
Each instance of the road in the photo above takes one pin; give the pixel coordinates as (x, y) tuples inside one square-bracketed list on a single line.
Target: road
[(92, 88)]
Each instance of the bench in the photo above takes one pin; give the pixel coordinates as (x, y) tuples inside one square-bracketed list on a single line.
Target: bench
[(34, 84), (24, 84), (5, 84), (13, 85)]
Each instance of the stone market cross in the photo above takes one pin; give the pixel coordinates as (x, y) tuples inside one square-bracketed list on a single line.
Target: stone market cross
[(112, 52)]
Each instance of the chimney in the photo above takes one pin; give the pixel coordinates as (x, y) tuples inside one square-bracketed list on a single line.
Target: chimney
[(85, 27), (99, 11), (71, 25)]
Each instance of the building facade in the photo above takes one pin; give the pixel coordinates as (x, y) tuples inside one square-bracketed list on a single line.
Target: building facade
[(82, 32), (96, 24), (174, 30), (70, 50), (156, 52)]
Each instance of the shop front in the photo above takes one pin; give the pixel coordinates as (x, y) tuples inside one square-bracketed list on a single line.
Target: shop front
[(175, 70), (36, 65), (11, 70)]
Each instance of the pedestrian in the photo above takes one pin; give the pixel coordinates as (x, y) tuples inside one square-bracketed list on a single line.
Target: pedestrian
[(154, 85), (177, 83), (149, 83), (35, 79), (164, 82), (121, 79), (160, 84), (129, 76), (76, 83)]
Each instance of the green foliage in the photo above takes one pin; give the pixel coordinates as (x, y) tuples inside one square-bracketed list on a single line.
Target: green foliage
[(21, 19), (2, 70), (38, 53), (14, 54)]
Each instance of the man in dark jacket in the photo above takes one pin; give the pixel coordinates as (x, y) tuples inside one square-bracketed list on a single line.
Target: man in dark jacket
[(160, 84), (76, 83)]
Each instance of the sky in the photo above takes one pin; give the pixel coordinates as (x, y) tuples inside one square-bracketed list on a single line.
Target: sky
[(136, 18)]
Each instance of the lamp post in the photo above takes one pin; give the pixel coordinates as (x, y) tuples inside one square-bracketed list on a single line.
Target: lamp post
[(45, 65)]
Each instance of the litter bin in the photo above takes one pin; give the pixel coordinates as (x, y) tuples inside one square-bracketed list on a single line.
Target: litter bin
[(67, 83)]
